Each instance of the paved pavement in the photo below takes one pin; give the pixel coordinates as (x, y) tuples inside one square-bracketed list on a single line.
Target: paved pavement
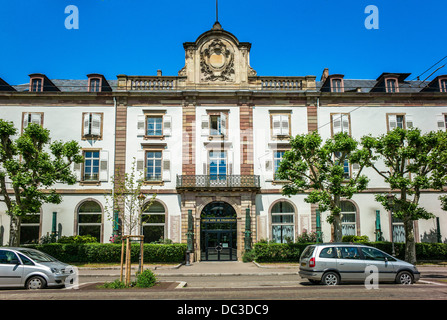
[(232, 268)]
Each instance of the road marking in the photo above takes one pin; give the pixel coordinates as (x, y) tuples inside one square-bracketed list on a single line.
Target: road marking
[(430, 282)]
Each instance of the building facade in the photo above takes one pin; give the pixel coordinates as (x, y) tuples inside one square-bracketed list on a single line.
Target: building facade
[(208, 142)]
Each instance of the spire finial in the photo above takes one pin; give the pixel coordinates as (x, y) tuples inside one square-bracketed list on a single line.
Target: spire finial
[(217, 10)]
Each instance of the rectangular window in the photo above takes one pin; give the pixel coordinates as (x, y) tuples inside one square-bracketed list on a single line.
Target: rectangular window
[(277, 157), (391, 85), (32, 117), (336, 85), (95, 85), (91, 166), (92, 125), (397, 121), (346, 173), (443, 85), (36, 85), (400, 121), (154, 165), (29, 228), (154, 126), (340, 123), (280, 125), (218, 164)]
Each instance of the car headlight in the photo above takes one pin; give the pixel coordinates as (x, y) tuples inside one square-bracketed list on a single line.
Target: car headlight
[(55, 270)]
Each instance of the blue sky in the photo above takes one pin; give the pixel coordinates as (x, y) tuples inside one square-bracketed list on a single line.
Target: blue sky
[(289, 37)]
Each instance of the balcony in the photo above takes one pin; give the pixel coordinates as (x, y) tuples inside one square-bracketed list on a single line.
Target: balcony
[(218, 182)]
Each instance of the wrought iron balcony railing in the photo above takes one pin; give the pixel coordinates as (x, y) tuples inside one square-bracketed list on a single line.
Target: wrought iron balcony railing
[(213, 182)]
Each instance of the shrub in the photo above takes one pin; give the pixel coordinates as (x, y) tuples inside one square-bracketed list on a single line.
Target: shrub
[(355, 239), (146, 279), (117, 284), (278, 252), (77, 239)]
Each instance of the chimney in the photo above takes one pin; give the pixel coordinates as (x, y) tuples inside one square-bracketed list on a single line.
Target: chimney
[(159, 74), (324, 75)]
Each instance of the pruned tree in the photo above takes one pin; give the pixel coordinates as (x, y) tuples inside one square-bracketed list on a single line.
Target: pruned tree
[(126, 205), (319, 169), (413, 162), (29, 166)]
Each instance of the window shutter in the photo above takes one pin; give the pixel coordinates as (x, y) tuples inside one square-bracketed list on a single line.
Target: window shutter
[(285, 125), (86, 122), (25, 120), (230, 162), (77, 167), (441, 122), (167, 128), (336, 123), (204, 161), (409, 121), (140, 165), (104, 166), (166, 166), (268, 176), (205, 125), (355, 170), (141, 125), (392, 121), (345, 123), (276, 125), (36, 118), (96, 124), (223, 123)]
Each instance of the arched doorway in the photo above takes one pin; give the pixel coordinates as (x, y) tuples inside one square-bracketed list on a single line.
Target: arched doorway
[(218, 232)]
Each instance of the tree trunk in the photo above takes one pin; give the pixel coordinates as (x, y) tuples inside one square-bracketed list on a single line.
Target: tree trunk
[(337, 228), (410, 243), (14, 231)]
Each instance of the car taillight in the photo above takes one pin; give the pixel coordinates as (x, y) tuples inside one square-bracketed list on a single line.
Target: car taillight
[(312, 262)]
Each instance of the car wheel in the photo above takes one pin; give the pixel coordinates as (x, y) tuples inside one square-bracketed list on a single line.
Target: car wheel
[(35, 282), (330, 279), (404, 277)]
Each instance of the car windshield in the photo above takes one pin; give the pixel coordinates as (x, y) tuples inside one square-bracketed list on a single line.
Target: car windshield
[(38, 256)]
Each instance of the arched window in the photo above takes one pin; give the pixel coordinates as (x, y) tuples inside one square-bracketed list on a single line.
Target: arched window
[(283, 222), (153, 222), (90, 220), (348, 218)]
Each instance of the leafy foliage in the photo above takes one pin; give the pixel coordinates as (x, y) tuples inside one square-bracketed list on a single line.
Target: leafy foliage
[(317, 167), (33, 165)]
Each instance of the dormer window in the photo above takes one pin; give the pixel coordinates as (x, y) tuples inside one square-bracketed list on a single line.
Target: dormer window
[(391, 85), (337, 85), (36, 85), (443, 85), (95, 85)]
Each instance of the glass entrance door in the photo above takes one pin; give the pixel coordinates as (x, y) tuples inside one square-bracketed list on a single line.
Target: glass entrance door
[(219, 246), (218, 232)]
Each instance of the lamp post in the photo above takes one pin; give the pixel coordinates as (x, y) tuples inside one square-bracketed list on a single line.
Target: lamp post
[(390, 199)]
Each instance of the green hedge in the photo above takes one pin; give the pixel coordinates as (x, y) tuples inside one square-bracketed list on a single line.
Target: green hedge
[(290, 252), (109, 252)]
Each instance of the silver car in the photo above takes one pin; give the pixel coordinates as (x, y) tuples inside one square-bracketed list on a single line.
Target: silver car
[(32, 269), (332, 263)]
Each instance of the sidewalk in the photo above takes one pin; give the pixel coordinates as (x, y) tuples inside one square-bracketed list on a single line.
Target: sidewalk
[(230, 268)]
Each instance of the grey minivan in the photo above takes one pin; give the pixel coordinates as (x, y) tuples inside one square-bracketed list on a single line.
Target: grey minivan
[(332, 263), (30, 268)]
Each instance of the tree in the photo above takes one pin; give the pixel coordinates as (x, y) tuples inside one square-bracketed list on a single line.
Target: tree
[(414, 162), (29, 166), (319, 169), (128, 201)]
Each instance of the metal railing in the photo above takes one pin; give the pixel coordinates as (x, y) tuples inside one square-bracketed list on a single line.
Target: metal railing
[(218, 182)]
